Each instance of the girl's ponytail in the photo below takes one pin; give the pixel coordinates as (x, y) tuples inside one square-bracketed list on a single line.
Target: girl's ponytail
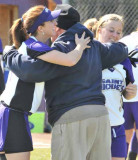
[(18, 33)]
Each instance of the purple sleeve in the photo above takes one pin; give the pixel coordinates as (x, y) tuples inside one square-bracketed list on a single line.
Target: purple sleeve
[(1, 48), (128, 67)]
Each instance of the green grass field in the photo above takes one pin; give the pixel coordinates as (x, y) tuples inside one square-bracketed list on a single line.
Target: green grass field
[(41, 154)]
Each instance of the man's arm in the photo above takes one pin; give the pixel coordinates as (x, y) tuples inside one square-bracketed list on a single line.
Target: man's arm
[(112, 54), (31, 70)]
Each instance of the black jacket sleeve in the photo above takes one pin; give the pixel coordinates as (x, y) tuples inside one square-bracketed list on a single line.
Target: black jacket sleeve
[(112, 54), (32, 70)]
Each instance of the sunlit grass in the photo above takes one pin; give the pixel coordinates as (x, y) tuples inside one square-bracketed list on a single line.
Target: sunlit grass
[(41, 154)]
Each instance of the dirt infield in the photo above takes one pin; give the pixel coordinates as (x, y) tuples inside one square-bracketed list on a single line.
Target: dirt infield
[(41, 140)]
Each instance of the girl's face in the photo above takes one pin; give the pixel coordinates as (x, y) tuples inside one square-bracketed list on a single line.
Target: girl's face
[(111, 32), (49, 28)]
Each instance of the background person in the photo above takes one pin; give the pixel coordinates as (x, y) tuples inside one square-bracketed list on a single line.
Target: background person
[(131, 106), (90, 23), (2, 85), (114, 84), (132, 155)]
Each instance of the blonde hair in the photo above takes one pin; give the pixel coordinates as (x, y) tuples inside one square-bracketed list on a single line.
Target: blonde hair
[(105, 19), (89, 23), (21, 26)]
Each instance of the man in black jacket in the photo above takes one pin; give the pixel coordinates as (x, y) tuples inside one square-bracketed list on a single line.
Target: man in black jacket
[(75, 102)]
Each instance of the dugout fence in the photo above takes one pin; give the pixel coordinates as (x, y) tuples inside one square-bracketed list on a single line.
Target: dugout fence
[(97, 8)]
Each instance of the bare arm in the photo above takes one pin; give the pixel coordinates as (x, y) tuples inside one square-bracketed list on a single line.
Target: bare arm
[(130, 91), (69, 59)]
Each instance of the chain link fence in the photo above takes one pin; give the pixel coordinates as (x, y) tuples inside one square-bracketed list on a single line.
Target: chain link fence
[(97, 8)]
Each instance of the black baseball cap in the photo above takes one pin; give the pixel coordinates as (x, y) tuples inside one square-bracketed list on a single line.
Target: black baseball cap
[(68, 16)]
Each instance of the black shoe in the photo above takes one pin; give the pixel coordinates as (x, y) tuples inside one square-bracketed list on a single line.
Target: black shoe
[(2, 157), (48, 128), (132, 156)]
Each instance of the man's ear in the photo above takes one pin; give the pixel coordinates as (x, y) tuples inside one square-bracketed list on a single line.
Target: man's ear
[(57, 29), (60, 31)]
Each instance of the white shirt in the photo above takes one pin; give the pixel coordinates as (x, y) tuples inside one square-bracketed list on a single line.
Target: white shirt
[(132, 42), (14, 91), (113, 83)]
